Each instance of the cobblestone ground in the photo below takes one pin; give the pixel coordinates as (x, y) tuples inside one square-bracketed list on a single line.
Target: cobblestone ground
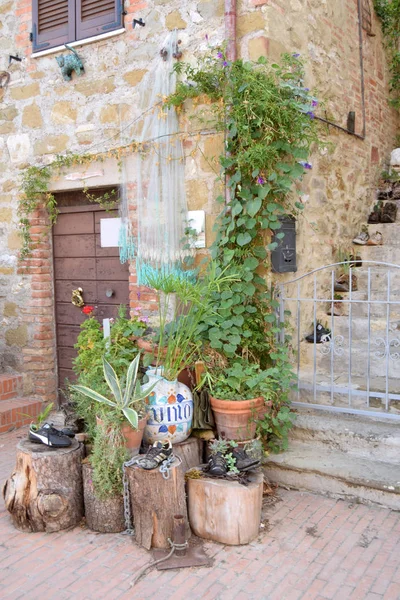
[(311, 548)]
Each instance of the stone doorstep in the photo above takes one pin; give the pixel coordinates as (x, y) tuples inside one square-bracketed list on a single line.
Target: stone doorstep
[(360, 436), (336, 474), (12, 413), (10, 386)]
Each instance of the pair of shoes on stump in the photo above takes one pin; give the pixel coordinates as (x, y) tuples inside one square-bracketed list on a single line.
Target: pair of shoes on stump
[(217, 462), (385, 214), (155, 455), (50, 436)]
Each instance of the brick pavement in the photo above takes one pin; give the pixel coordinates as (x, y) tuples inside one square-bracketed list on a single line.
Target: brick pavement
[(311, 548)]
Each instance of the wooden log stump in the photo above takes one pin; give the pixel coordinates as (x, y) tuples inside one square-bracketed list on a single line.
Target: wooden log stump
[(44, 493), (190, 452), (105, 515), (155, 501), (225, 511)]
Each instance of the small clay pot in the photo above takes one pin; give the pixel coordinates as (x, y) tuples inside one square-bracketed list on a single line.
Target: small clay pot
[(237, 419), (133, 437)]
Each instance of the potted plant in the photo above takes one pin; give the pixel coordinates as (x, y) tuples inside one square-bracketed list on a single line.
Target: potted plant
[(123, 401), (240, 394), (102, 478), (183, 305), (342, 281)]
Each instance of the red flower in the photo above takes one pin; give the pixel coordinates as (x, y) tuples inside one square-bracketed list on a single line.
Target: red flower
[(87, 310)]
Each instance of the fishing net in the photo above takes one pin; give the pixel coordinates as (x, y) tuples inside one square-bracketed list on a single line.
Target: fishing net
[(160, 182)]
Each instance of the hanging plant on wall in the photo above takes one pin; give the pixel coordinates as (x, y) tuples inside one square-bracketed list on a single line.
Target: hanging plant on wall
[(268, 117)]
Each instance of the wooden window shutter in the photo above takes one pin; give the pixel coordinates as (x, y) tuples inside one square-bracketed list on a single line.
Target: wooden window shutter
[(94, 17), (53, 23)]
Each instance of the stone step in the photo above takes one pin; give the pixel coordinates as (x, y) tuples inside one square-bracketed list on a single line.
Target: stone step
[(319, 392), (10, 386), (358, 436), (336, 474), (359, 355), (18, 412), (382, 253), (390, 233)]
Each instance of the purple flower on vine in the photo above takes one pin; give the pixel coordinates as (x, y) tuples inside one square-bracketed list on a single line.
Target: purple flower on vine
[(305, 165), (310, 114), (224, 64), (296, 55), (220, 55), (260, 180), (314, 103)]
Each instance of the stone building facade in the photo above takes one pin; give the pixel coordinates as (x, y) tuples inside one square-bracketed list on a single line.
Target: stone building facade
[(42, 115)]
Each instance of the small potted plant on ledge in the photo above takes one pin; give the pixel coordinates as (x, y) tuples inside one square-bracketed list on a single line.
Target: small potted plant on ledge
[(240, 395), (125, 400)]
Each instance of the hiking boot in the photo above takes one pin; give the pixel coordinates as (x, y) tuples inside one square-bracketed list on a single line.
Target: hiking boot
[(375, 240), (336, 310), (322, 335), (155, 455), (217, 465), (389, 213), (49, 436), (375, 216), (243, 461), (341, 287), (361, 239)]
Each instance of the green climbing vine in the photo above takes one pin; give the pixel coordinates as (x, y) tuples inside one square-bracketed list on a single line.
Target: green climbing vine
[(35, 192), (389, 13), (268, 117)]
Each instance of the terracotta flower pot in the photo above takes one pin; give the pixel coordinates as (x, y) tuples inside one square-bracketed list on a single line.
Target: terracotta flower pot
[(133, 437), (236, 419)]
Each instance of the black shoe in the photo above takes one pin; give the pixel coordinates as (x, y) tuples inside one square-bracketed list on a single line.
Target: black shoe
[(341, 287), (217, 465), (49, 436), (389, 213), (375, 216), (68, 432), (155, 455), (322, 335), (243, 460)]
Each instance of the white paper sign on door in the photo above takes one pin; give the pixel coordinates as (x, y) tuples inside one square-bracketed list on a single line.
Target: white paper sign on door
[(109, 232)]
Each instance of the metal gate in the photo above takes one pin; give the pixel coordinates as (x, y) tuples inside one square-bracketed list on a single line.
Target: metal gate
[(355, 368)]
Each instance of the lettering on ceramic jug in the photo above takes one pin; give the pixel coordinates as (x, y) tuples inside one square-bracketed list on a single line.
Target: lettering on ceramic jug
[(171, 414)]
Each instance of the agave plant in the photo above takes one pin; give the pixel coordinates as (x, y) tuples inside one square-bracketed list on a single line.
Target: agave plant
[(122, 398)]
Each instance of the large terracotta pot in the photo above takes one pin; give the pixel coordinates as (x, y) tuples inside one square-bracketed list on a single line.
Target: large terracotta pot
[(237, 419), (170, 410), (133, 437)]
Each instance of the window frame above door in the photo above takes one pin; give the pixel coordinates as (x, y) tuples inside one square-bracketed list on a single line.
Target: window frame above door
[(76, 30)]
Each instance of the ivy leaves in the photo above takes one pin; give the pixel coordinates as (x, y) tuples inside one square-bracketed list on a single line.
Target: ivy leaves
[(264, 110)]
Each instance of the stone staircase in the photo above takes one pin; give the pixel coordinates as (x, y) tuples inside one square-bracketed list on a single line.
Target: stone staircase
[(351, 456), (342, 456), (15, 409)]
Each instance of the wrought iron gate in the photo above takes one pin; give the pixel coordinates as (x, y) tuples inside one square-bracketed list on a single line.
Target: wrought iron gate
[(357, 368)]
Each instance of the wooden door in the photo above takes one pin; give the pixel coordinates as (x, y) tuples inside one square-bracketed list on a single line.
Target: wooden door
[(80, 261)]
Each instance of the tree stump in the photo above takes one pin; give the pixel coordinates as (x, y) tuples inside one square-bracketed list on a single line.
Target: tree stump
[(155, 501), (190, 452), (225, 511), (44, 493), (102, 515)]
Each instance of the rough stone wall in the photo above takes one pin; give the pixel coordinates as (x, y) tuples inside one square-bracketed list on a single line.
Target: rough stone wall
[(41, 115)]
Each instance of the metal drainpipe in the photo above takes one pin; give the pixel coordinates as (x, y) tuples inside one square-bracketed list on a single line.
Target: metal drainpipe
[(230, 29), (231, 55), (362, 83)]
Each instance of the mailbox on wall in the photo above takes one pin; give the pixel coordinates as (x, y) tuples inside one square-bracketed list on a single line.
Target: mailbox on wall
[(283, 258)]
